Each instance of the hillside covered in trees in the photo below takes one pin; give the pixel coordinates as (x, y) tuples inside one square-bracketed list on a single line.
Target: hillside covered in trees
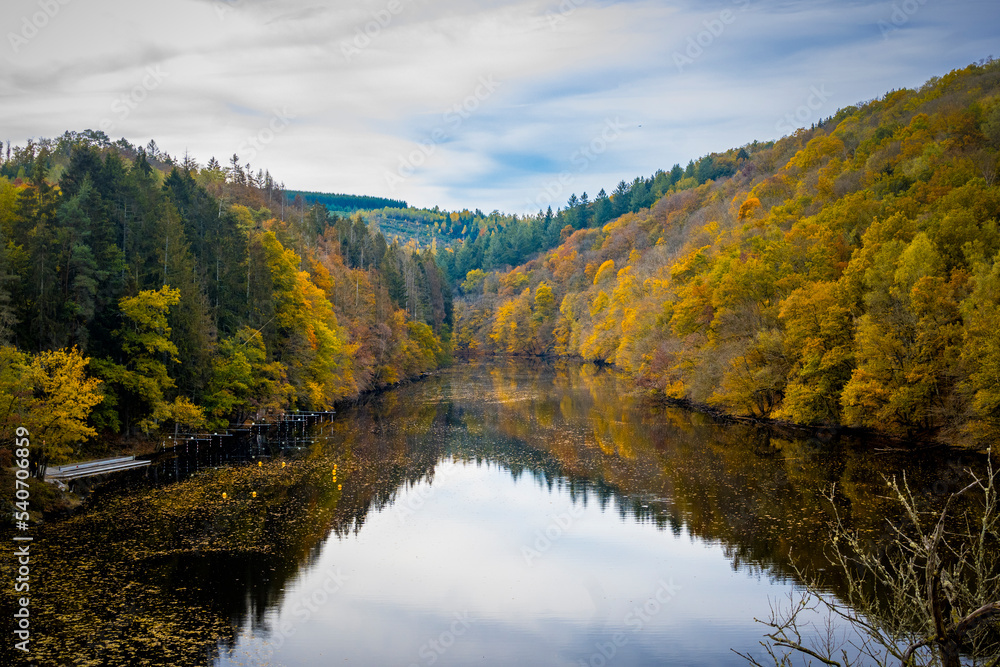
[(138, 292), (848, 274), (500, 241)]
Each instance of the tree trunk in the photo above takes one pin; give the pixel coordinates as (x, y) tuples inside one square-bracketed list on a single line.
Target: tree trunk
[(950, 654)]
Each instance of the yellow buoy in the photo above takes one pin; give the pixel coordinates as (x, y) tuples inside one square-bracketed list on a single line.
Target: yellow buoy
[(339, 486), (254, 494), (223, 495), (260, 464), (282, 464)]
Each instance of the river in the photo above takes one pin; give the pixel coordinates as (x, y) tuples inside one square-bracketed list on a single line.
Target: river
[(521, 513)]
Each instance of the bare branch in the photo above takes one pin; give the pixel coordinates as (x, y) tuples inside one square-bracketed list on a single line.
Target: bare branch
[(913, 649), (975, 618), (802, 649)]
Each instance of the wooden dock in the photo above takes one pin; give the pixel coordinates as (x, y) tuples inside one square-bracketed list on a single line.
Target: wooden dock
[(93, 468), (186, 453)]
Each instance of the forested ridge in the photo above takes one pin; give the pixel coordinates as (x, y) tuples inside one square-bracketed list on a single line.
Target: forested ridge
[(138, 292), (848, 274), (342, 203)]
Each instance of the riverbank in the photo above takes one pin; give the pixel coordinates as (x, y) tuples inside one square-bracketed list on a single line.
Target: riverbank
[(49, 501), (46, 502), (819, 432)]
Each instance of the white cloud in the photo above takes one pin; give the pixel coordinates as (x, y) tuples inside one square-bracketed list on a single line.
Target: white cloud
[(369, 82)]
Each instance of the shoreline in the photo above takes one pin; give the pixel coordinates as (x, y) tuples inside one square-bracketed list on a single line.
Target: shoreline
[(52, 503), (917, 442)]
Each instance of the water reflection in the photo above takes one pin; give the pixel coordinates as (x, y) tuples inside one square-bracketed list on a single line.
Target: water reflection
[(516, 514), (486, 570)]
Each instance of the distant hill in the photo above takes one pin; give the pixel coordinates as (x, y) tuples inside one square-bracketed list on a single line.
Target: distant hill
[(425, 226), (394, 217), (345, 203)]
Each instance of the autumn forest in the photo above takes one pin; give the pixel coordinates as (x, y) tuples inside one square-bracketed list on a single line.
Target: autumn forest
[(846, 275), (140, 295)]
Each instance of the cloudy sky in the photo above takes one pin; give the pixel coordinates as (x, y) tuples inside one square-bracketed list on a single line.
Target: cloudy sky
[(495, 104)]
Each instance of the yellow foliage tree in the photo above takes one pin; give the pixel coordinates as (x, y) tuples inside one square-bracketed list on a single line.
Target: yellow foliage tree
[(818, 338), (311, 344), (606, 270), (138, 386), (981, 351), (422, 349), (243, 381), (473, 283), (51, 395), (748, 207), (512, 324), (543, 318)]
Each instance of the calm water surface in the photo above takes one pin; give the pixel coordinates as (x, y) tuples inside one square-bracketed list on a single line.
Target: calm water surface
[(522, 514), (487, 568)]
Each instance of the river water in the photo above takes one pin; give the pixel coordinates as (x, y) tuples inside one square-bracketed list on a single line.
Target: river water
[(492, 514)]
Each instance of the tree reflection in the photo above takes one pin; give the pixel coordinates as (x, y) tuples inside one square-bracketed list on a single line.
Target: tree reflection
[(174, 572)]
